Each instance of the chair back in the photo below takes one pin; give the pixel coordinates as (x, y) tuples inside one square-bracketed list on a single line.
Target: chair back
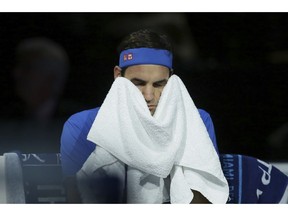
[(252, 180)]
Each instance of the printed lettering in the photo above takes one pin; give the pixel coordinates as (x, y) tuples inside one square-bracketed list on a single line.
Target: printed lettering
[(229, 174), (259, 193), (266, 177), (227, 165)]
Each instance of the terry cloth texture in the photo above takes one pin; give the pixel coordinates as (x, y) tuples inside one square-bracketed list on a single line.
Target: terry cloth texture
[(173, 142)]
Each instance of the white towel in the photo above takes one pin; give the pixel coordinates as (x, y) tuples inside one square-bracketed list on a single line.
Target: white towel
[(174, 141)]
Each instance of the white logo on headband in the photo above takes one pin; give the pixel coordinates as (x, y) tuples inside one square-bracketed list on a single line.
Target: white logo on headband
[(127, 57)]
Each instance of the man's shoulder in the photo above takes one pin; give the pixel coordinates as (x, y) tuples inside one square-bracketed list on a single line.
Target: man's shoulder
[(204, 114), (206, 118), (82, 117), (77, 127)]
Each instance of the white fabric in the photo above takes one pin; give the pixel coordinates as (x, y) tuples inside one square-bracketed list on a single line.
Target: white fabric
[(174, 141), (3, 198), (11, 179), (100, 165)]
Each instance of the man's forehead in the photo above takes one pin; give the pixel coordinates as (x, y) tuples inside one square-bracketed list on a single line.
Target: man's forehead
[(147, 71), (147, 75), (147, 68)]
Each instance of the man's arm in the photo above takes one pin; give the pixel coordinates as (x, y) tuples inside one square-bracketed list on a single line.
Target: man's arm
[(207, 120), (75, 149), (198, 197)]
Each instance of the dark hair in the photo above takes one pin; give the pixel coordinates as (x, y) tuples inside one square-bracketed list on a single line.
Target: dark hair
[(144, 38)]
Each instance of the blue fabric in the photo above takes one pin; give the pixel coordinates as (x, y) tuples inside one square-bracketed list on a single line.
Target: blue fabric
[(140, 56), (75, 148), (252, 180)]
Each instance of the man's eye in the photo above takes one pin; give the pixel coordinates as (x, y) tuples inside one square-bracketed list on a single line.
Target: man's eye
[(138, 83), (158, 85)]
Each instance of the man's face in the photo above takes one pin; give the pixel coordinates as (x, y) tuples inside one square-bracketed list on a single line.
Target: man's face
[(150, 80), (33, 81)]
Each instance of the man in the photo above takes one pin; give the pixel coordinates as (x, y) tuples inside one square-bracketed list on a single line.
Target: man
[(40, 74), (36, 109), (150, 74)]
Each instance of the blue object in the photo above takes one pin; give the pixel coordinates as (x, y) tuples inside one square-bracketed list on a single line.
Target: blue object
[(252, 180), (140, 56)]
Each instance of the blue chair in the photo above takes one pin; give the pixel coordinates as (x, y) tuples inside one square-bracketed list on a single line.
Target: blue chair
[(252, 180)]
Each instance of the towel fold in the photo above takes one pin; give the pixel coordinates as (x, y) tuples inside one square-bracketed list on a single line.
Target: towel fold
[(173, 142)]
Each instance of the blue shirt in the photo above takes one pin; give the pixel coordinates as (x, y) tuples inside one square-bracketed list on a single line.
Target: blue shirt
[(75, 148)]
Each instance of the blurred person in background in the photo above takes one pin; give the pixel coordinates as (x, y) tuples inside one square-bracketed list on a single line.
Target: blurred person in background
[(40, 73), (32, 120)]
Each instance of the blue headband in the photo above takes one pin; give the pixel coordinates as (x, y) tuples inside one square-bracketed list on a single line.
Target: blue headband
[(139, 56)]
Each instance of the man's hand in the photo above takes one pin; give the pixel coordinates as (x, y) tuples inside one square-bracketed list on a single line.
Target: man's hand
[(199, 198)]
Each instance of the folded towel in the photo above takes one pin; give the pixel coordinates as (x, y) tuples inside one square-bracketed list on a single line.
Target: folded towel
[(174, 141)]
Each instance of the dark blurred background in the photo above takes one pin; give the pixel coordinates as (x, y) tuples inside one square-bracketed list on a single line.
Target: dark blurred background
[(233, 64)]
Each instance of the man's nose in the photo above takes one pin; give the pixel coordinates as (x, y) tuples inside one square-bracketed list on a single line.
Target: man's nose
[(148, 93)]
